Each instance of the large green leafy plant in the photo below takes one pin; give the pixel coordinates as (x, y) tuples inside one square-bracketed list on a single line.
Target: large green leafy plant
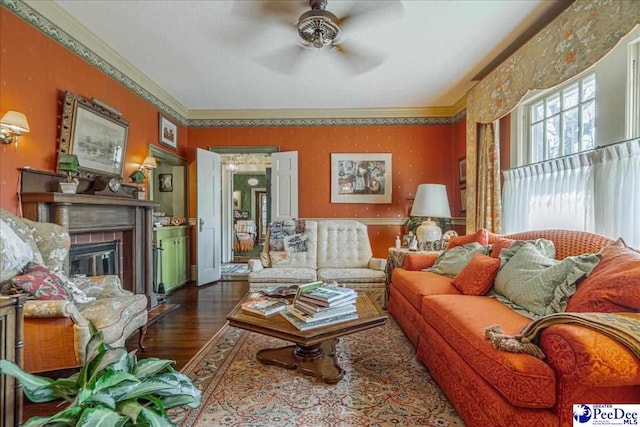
[(113, 388)]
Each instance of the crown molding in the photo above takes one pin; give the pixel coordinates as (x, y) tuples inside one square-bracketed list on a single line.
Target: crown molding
[(56, 23)]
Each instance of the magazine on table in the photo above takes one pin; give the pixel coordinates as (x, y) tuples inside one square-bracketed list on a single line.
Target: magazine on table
[(312, 307), (323, 294), (327, 314), (264, 305), (303, 326)]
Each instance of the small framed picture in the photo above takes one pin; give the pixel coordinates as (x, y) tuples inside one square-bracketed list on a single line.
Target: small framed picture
[(166, 182), (463, 199), (168, 132), (407, 239), (462, 170)]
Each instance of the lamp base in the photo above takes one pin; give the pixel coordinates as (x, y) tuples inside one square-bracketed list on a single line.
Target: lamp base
[(428, 232)]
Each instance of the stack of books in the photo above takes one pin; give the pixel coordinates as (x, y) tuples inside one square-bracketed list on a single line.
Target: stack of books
[(264, 305), (317, 304)]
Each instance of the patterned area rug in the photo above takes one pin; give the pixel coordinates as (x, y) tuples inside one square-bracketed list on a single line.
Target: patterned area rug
[(384, 384)]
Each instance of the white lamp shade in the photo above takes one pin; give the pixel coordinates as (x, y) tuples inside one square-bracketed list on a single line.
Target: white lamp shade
[(15, 121), (431, 201), (149, 162)]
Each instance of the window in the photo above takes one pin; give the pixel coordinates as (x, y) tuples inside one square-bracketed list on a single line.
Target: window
[(561, 122)]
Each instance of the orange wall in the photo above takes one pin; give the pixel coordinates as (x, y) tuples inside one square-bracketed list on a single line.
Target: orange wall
[(35, 72), (419, 154)]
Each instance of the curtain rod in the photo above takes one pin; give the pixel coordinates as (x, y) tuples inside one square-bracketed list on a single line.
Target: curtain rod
[(572, 154)]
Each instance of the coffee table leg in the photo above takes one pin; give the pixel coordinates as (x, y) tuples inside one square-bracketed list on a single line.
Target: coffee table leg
[(317, 360)]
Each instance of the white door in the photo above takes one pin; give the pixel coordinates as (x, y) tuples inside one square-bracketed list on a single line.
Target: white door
[(284, 185), (208, 241)]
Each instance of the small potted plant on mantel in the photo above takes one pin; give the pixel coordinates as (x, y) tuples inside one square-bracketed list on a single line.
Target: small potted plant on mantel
[(113, 388), (68, 163)]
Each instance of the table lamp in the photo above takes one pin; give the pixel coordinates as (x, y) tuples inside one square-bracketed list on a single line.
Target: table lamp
[(431, 201)]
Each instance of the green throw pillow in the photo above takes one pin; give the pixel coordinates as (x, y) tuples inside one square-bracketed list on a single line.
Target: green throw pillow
[(453, 260), (541, 284), (543, 246)]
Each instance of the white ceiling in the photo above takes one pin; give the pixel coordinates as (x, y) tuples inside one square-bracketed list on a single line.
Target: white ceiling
[(204, 54)]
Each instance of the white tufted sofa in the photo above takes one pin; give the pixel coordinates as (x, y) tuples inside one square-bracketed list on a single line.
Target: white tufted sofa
[(337, 251)]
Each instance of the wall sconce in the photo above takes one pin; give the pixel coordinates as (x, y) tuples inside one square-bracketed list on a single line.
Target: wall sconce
[(12, 125), (139, 176)]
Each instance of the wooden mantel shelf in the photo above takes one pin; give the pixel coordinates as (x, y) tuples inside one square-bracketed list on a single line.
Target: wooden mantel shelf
[(86, 199)]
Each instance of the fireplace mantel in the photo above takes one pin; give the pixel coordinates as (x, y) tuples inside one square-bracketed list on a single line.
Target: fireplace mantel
[(85, 213)]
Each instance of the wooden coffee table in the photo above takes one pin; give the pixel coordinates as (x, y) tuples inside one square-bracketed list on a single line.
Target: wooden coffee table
[(313, 352)]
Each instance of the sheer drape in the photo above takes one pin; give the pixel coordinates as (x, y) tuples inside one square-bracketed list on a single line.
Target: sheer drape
[(489, 209), (597, 191)]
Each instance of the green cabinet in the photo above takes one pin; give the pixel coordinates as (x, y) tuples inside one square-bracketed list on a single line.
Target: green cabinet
[(173, 259)]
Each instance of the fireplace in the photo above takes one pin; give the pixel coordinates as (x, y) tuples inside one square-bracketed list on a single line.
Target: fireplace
[(94, 259)]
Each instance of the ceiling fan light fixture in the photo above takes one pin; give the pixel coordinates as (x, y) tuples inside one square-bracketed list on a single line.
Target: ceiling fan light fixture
[(319, 28)]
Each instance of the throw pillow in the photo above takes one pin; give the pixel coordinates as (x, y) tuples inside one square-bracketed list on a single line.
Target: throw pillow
[(14, 252), (73, 290), (296, 243), (498, 245), (42, 283), (543, 246), (416, 261), (279, 258), (265, 260), (481, 236), (476, 278), (540, 284), (452, 261), (614, 286)]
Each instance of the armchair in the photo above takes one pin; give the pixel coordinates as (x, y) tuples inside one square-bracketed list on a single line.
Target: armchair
[(56, 331)]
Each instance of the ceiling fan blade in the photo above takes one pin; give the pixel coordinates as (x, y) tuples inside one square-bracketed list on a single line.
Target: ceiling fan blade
[(275, 11), (356, 58), (364, 13), (285, 60)]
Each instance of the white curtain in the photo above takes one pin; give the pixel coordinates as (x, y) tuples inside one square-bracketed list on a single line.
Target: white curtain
[(597, 191)]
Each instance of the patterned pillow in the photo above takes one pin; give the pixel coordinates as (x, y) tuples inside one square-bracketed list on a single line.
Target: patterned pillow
[(14, 252), (614, 285), (481, 236), (296, 243), (418, 261), (540, 284), (476, 278), (543, 246), (42, 283), (499, 245), (279, 258), (452, 261)]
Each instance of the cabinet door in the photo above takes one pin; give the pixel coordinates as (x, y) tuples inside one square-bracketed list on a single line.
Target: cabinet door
[(168, 277), (182, 259)]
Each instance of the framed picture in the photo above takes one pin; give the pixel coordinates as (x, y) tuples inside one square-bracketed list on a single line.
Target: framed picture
[(166, 182), (462, 170), (237, 199), (407, 239), (361, 178), (97, 135), (168, 132), (463, 199)]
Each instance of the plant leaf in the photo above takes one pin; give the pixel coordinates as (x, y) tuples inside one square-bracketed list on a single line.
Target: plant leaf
[(180, 385), (130, 408), (68, 416), (150, 386), (183, 399), (154, 419), (151, 366), (93, 349), (101, 417), (111, 379), (36, 388), (115, 358)]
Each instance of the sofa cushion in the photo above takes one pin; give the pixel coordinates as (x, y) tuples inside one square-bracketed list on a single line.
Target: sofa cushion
[(481, 236), (614, 285), (498, 245), (476, 278), (42, 283), (461, 320), (283, 275), (351, 275), (543, 246), (14, 252), (418, 261), (540, 284), (414, 285), (111, 315), (452, 261), (343, 243)]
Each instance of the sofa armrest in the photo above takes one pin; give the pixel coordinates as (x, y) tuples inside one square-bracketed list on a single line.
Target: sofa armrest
[(53, 308), (255, 265), (377, 264), (418, 261), (585, 356), (101, 286)]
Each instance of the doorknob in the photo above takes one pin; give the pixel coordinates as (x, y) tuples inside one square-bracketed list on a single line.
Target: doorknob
[(201, 223)]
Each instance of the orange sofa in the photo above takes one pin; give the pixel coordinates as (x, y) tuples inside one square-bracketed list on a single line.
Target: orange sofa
[(498, 388)]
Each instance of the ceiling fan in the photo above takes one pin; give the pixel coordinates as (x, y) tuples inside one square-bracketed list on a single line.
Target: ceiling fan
[(320, 29)]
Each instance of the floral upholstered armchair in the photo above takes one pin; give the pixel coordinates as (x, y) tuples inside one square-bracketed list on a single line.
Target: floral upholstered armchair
[(58, 315)]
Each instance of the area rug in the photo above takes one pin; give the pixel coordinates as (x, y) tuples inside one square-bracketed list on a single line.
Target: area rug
[(234, 269), (383, 385)]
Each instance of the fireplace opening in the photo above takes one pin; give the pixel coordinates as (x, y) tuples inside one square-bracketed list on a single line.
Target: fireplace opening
[(94, 259)]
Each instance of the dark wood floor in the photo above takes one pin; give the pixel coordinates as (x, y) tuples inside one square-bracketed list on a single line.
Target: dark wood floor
[(182, 332)]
